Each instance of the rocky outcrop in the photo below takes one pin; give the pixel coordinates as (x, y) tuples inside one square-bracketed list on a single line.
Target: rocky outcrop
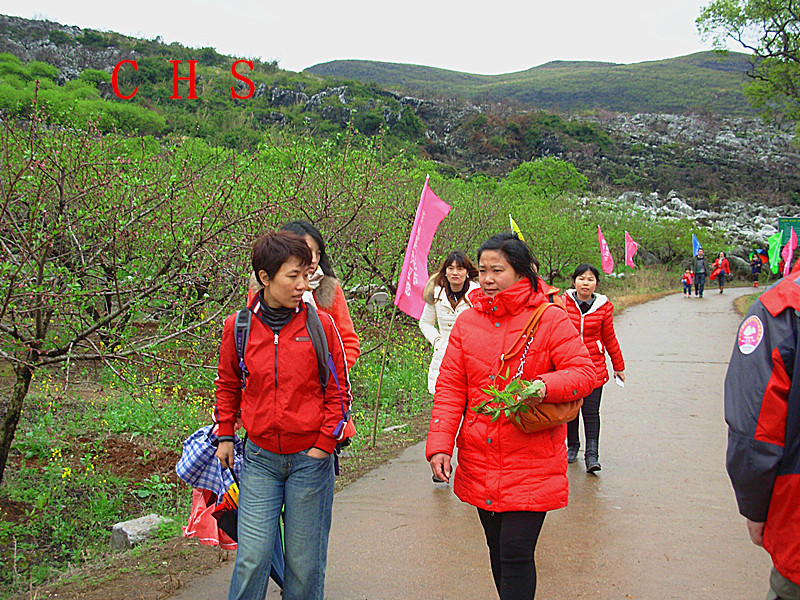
[(745, 225), (58, 45)]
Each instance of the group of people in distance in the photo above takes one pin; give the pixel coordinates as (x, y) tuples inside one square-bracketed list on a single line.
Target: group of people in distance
[(473, 315), (696, 274)]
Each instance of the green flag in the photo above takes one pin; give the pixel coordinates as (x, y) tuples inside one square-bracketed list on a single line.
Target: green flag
[(774, 250)]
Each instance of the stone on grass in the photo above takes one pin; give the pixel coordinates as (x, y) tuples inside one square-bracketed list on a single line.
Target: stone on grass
[(127, 534)]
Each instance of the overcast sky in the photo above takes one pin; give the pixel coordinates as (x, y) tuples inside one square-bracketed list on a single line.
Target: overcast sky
[(488, 37)]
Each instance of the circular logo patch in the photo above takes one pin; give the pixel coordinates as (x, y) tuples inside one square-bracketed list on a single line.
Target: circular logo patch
[(750, 334)]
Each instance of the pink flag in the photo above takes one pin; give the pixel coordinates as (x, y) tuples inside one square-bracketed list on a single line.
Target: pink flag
[(630, 249), (606, 261), (788, 253), (414, 274)]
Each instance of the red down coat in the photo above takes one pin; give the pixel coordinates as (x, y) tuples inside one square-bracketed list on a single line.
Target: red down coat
[(596, 329), (501, 468)]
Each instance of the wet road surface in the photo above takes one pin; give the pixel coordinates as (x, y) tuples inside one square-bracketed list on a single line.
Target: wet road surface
[(658, 522)]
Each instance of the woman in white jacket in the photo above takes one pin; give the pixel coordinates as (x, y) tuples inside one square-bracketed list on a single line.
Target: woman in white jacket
[(445, 298)]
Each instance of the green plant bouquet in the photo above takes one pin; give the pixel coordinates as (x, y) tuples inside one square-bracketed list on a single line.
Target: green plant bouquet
[(509, 401)]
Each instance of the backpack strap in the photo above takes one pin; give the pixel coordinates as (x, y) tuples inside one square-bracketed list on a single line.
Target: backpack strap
[(320, 342), (241, 334)]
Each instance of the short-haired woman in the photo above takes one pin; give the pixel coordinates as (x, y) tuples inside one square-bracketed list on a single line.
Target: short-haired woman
[(290, 421), (325, 289)]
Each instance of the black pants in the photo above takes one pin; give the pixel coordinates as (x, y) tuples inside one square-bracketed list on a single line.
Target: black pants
[(512, 537), (591, 419), (699, 283)]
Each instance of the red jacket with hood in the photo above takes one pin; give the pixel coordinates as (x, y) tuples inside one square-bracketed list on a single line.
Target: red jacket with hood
[(596, 329), (283, 406), (501, 468)]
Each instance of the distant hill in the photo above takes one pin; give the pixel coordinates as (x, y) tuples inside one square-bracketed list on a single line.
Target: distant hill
[(680, 124), (705, 82)]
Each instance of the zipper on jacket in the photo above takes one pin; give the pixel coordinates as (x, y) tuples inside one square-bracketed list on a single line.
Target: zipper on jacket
[(275, 387)]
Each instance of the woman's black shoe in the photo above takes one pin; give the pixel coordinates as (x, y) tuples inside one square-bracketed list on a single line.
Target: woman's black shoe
[(572, 452), (590, 456)]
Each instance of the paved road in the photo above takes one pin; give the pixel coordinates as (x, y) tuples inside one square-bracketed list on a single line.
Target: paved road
[(658, 523)]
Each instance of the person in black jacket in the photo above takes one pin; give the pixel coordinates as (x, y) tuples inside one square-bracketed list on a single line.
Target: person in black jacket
[(701, 270)]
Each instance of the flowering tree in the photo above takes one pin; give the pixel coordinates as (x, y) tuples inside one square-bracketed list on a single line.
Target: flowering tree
[(100, 234)]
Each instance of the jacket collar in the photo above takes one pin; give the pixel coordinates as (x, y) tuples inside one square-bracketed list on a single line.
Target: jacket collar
[(599, 299), (511, 301)]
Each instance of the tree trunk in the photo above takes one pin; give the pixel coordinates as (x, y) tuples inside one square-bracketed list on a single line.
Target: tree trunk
[(11, 411)]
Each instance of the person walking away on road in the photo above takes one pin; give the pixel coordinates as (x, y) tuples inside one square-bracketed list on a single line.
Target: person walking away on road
[(445, 298), (700, 270), (755, 268), (762, 410), (593, 317), (290, 420), (721, 269), (686, 280), (513, 478), (325, 290)]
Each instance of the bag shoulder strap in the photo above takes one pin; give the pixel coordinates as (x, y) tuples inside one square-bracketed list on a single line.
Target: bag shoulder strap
[(243, 325), (526, 336)]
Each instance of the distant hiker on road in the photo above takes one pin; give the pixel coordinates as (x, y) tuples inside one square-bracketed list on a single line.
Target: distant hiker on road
[(512, 477), (755, 268), (291, 422), (593, 317), (445, 298), (762, 409), (700, 271), (721, 269), (686, 280)]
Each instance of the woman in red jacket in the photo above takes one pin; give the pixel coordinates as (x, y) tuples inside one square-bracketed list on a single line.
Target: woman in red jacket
[(513, 478), (291, 422), (593, 317), (721, 269)]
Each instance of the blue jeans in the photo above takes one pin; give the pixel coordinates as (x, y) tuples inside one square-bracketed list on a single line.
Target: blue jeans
[(305, 486)]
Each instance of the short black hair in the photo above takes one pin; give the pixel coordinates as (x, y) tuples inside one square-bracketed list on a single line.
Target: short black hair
[(273, 249)]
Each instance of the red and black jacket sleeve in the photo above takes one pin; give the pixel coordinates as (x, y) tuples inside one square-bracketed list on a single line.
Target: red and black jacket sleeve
[(758, 387)]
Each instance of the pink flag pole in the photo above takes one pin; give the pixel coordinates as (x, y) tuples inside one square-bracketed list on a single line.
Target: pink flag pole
[(788, 253), (606, 260), (630, 249), (414, 274)]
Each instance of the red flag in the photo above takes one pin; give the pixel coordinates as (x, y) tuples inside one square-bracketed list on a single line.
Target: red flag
[(414, 274), (788, 253), (630, 249), (606, 260)]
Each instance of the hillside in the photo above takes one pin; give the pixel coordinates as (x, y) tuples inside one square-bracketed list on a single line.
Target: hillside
[(710, 146), (698, 83)]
